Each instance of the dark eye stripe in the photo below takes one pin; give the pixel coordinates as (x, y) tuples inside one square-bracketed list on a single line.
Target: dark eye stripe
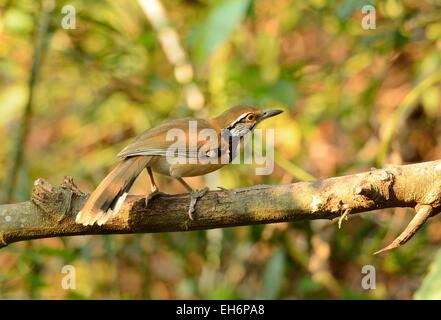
[(239, 119)]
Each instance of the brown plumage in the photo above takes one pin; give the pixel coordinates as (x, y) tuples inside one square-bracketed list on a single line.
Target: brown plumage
[(108, 197), (150, 150)]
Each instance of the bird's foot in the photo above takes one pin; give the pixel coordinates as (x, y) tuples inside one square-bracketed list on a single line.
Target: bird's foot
[(230, 191), (195, 195), (151, 195)]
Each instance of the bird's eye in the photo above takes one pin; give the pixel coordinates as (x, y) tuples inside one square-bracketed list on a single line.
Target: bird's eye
[(251, 117)]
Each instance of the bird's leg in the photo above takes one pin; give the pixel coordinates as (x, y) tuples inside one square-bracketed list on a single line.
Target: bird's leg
[(155, 190), (195, 195)]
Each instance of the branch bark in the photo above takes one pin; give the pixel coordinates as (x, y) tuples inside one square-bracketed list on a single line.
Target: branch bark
[(51, 210)]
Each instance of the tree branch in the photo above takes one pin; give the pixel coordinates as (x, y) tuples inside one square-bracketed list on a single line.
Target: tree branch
[(51, 211)]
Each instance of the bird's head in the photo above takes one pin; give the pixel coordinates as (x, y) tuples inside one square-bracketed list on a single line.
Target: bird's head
[(240, 120)]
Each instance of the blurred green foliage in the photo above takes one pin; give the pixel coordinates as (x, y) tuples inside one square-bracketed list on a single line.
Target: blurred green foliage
[(342, 87), (430, 288)]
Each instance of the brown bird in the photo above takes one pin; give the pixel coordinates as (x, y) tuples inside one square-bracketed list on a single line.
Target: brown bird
[(177, 148)]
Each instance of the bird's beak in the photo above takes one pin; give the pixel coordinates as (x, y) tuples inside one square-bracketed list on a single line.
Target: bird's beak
[(269, 113)]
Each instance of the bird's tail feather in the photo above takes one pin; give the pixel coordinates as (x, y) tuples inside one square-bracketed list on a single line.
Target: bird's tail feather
[(107, 199)]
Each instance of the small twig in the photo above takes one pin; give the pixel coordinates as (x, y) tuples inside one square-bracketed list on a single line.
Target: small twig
[(344, 216), (423, 213)]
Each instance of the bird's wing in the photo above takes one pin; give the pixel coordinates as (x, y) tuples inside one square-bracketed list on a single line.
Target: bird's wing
[(165, 139)]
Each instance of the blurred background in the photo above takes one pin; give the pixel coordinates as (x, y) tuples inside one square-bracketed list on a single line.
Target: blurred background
[(74, 90)]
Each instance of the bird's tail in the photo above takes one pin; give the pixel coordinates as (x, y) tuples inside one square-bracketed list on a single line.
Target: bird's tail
[(107, 199)]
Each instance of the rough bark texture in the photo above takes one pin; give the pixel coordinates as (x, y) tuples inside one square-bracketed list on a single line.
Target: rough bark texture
[(51, 210)]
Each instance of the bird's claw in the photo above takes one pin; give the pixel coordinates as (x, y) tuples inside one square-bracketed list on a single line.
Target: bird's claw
[(151, 195), (230, 191), (195, 195)]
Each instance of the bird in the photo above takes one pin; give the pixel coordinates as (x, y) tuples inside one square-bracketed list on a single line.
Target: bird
[(175, 148)]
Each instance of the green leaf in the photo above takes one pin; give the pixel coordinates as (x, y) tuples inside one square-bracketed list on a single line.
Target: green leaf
[(273, 275), (18, 21), (431, 99), (221, 21), (431, 287)]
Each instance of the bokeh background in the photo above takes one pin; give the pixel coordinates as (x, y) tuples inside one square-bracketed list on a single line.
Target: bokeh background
[(354, 99)]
